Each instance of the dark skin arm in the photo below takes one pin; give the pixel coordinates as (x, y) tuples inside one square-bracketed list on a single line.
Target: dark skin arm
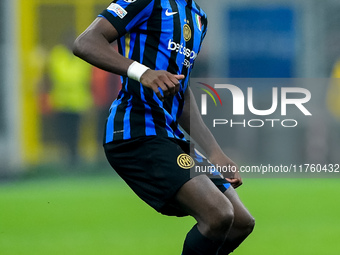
[(204, 137), (93, 46)]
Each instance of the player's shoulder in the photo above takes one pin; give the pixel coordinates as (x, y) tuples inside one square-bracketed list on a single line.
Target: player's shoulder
[(199, 10), (122, 8), (132, 2)]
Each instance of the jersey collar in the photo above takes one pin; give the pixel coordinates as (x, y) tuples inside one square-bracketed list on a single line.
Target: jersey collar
[(185, 3)]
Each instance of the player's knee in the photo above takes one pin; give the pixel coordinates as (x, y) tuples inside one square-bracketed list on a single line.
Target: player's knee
[(219, 223), (248, 225), (251, 224)]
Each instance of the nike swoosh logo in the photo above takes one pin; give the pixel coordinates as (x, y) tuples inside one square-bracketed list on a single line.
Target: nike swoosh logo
[(167, 13)]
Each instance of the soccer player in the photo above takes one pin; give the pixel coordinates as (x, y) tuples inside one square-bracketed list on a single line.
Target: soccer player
[(158, 43)]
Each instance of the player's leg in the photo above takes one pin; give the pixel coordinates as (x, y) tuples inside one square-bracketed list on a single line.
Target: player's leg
[(213, 212), (242, 226)]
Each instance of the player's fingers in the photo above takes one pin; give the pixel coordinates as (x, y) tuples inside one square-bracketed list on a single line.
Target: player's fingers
[(170, 82), (165, 88), (159, 94), (236, 185), (171, 86), (234, 182), (179, 76), (161, 90), (175, 80)]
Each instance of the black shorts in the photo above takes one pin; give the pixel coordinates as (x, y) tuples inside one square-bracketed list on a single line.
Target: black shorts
[(155, 168)]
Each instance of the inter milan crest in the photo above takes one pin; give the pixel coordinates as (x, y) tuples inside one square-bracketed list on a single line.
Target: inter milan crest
[(185, 161), (186, 32)]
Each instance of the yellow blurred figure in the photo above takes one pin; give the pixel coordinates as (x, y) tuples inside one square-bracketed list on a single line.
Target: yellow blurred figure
[(70, 78), (333, 95), (69, 96)]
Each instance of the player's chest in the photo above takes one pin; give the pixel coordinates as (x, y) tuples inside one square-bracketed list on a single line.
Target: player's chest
[(173, 21)]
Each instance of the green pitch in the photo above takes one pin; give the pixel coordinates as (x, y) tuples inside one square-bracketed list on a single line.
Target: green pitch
[(100, 215)]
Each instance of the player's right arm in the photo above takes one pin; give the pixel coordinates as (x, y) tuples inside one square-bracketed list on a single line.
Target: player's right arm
[(93, 46)]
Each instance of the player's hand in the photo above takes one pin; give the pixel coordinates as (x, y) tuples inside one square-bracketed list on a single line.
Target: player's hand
[(161, 80), (236, 180), (233, 174)]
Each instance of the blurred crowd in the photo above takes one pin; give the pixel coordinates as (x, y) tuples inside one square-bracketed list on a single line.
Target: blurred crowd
[(73, 94)]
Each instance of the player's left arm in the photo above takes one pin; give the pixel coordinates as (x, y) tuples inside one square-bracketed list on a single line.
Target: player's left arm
[(202, 135)]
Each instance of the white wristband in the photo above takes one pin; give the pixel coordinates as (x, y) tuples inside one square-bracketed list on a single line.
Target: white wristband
[(136, 70)]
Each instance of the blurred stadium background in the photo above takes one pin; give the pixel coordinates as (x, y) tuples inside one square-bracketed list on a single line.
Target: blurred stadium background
[(60, 197)]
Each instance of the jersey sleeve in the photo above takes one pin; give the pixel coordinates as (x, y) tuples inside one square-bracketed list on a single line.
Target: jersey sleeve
[(125, 15), (204, 30), (205, 27)]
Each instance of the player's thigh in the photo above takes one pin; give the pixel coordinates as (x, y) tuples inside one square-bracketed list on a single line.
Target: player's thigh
[(201, 199), (242, 217)]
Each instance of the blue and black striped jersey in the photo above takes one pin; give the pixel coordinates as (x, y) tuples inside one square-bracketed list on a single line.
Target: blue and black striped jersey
[(163, 35)]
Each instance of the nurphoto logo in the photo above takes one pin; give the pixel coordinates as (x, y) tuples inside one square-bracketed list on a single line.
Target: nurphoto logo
[(280, 97)]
